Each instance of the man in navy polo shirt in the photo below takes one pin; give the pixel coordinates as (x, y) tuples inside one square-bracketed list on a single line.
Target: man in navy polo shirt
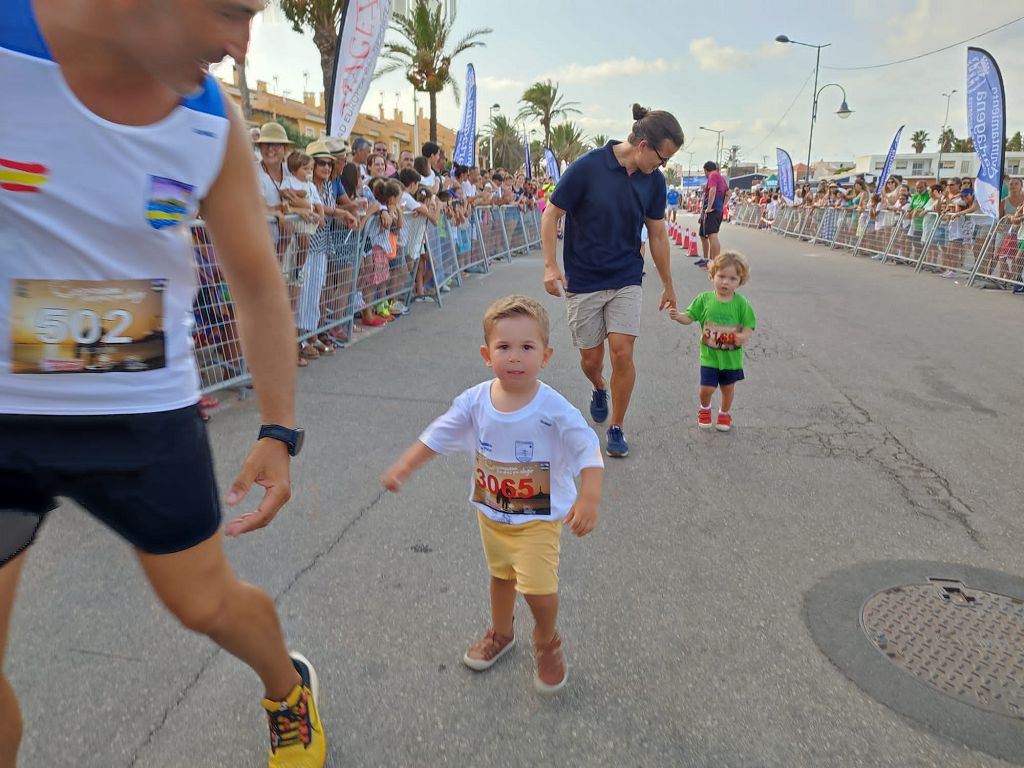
[(607, 196)]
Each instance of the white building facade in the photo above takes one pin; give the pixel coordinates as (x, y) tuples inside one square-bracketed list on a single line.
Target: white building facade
[(913, 166)]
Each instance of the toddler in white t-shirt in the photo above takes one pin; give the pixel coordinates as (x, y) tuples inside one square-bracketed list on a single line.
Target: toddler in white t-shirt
[(529, 445)]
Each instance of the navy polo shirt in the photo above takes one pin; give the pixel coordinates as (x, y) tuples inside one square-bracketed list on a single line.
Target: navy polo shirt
[(605, 210)]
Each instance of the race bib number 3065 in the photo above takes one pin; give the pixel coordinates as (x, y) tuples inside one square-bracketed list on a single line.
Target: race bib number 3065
[(521, 488), (87, 326)]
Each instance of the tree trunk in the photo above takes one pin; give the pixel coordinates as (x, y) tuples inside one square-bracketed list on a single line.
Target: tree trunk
[(326, 41), (433, 119), (243, 92)]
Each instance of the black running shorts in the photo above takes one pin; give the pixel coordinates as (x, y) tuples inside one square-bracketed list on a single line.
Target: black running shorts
[(147, 476), (711, 223)]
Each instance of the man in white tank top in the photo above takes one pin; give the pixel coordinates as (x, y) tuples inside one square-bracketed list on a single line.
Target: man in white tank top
[(98, 382)]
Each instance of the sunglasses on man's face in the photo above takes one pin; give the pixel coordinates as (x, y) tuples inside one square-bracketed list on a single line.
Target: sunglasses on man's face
[(664, 160), (322, 163)]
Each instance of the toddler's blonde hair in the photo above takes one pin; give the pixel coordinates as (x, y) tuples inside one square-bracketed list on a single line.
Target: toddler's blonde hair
[(516, 305), (733, 259)]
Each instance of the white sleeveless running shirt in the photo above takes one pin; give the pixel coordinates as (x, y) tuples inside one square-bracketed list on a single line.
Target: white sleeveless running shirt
[(97, 273)]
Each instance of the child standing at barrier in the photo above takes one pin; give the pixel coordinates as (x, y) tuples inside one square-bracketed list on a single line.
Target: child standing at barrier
[(727, 323), (530, 443), (376, 269)]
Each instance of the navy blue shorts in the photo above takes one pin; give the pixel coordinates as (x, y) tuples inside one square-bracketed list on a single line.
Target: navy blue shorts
[(714, 377), (148, 476)]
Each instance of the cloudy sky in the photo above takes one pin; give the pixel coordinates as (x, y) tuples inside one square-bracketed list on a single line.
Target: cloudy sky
[(713, 64)]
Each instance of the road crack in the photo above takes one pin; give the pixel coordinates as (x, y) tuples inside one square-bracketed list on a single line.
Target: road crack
[(851, 432)]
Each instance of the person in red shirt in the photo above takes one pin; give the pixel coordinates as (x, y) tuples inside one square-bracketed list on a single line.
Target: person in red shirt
[(712, 202)]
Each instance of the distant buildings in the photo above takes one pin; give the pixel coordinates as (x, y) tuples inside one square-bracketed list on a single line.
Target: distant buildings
[(308, 118), (924, 166)]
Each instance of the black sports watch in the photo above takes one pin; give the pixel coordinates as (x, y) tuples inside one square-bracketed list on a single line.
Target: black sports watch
[(291, 437)]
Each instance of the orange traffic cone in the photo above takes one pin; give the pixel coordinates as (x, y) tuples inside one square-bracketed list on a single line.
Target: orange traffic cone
[(679, 237), (686, 240), (693, 247)]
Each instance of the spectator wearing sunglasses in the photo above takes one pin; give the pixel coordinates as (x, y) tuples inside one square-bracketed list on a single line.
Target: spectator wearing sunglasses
[(606, 197)]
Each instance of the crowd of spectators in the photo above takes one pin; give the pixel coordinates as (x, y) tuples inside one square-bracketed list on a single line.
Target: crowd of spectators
[(335, 186), (942, 213)]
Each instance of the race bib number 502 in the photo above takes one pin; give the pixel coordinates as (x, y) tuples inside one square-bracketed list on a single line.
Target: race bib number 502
[(87, 326)]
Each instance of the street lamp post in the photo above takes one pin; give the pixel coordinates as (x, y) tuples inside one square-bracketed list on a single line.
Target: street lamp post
[(843, 112), (942, 134), (718, 145), (490, 144)]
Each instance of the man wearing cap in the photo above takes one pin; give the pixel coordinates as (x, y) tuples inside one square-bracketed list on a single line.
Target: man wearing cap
[(100, 239)]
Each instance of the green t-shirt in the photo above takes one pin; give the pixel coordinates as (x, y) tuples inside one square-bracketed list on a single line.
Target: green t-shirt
[(918, 203), (719, 319)]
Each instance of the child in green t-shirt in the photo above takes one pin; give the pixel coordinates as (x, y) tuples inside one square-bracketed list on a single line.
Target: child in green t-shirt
[(727, 322)]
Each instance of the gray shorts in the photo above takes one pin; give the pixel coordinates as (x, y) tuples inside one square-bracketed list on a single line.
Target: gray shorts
[(592, 316)]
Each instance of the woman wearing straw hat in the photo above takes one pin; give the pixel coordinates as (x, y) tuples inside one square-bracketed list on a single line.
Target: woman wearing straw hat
[(273, 145)]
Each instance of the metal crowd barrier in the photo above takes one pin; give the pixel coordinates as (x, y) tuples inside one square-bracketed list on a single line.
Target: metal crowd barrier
[(531, 223), (848, 223), (333, 273), (515, 230), (492, 233), (746, 214), (787, 220), (879, 233), (960, 251), (1002, 262), (971, 246), (444, 263), (469, 246)]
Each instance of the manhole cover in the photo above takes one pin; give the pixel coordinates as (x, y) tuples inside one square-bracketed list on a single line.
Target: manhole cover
[(966, 643)]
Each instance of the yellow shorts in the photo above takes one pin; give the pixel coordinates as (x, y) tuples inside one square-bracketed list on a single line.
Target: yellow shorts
[(527, 553)]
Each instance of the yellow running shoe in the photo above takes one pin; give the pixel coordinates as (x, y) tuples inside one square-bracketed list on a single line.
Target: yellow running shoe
[(296, 735)]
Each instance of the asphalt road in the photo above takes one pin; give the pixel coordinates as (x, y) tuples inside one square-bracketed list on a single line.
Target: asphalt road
[(880, 420)]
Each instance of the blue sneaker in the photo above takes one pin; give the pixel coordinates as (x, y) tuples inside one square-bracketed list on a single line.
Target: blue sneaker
[(599, 406), (1019, 290), (617, 445)]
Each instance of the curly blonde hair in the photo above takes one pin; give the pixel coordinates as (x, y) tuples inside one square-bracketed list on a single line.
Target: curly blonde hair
[(733, 259)]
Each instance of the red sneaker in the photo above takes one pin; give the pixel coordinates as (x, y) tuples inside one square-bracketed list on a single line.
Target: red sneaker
[(704, 418), (724, 423), (375, 321)]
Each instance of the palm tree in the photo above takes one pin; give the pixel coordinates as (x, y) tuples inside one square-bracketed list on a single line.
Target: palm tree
[(918, 141), (543, 102), (963, 145), (322, 18), (946, 140), (423, 51), (567, 142), (537, 156), (599, 141), (508, 144), (243, 92)]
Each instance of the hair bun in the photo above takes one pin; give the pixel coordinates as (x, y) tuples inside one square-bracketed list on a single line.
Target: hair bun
[(639, 113)]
